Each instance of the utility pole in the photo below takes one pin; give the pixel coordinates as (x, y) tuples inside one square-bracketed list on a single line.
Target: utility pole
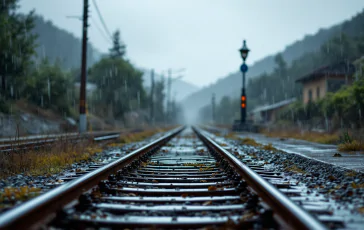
[(152, 98), (82, 121), (213, 108), (173, 107), (169, 89), (169, 82)]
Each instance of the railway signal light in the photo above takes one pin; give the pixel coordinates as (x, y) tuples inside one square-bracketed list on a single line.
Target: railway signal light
[(244, 51), (243, 102)]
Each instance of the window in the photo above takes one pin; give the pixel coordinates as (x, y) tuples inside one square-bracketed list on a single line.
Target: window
[(318, 92), (309, 95)]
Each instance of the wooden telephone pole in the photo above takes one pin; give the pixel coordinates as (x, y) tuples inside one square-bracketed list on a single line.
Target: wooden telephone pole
[(152, 99), (82, 119), (213, 104)]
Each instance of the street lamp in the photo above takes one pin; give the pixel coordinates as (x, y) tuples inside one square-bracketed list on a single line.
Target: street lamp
[(243, 68)]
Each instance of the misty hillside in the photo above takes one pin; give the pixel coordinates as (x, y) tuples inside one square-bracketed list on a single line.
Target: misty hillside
[(56, 43), (180, 88), (231, 85)]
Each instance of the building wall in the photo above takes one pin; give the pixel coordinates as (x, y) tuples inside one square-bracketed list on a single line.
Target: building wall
[(313, 86), (324, 85), (271, 115), (275, 112)]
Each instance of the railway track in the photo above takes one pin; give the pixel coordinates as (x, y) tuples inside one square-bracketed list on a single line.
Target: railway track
[(33, 142), (181, 180)]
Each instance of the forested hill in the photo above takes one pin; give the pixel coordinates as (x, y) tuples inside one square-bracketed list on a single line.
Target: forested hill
[(56, 43), (231, 84)]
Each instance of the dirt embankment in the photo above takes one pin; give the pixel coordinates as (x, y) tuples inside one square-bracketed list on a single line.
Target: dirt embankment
[(26, 119)]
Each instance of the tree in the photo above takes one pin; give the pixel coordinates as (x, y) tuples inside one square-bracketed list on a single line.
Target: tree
[(120, 87), (339, 48), (284, 83), (159, 101), (224, 111), (119, 83), (50, 87), (281, 65), (17, 44), (118, 48)]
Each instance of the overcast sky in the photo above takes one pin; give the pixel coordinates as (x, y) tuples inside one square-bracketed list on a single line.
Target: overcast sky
[(202, 36)]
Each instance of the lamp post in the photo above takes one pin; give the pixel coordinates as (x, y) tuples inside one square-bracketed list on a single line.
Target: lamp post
[(243, 68)]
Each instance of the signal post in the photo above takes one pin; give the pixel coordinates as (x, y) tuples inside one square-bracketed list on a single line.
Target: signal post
[(242, 125)]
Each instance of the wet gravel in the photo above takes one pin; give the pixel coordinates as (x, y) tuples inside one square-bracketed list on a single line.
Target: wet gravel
[(47, 182), (343, 186)]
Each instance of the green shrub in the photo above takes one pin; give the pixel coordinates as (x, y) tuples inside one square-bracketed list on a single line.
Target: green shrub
[(346, 138)]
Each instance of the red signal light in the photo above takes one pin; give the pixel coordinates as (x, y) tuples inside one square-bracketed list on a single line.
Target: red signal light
[(243, 101)]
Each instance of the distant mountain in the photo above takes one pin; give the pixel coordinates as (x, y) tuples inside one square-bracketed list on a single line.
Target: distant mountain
[(55, 43), (231, 84), (180, 89)]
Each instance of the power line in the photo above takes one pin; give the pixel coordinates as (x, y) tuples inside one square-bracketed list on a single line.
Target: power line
[(101, 18), (108, 39)]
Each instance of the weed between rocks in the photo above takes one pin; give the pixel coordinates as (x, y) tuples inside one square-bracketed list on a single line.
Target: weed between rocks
[(269, 147), (351, 146), (250, 141), (295, 169)]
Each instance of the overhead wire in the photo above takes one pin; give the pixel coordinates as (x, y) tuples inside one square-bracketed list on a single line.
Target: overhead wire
[(107, 38), (101, 18)]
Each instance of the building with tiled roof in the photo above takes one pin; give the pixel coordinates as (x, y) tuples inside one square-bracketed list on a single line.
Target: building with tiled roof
[(326, 79)]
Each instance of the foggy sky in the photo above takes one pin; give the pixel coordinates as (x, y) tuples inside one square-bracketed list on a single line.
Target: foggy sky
[(202, 36)]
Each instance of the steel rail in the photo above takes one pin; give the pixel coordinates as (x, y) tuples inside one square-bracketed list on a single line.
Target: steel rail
[(291, 214), (106, 137), (39, 142), (34, 139), (30, 138), (30, 213)]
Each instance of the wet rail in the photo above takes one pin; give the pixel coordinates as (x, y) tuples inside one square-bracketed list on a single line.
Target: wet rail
[(30, 142), (174, 182)]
